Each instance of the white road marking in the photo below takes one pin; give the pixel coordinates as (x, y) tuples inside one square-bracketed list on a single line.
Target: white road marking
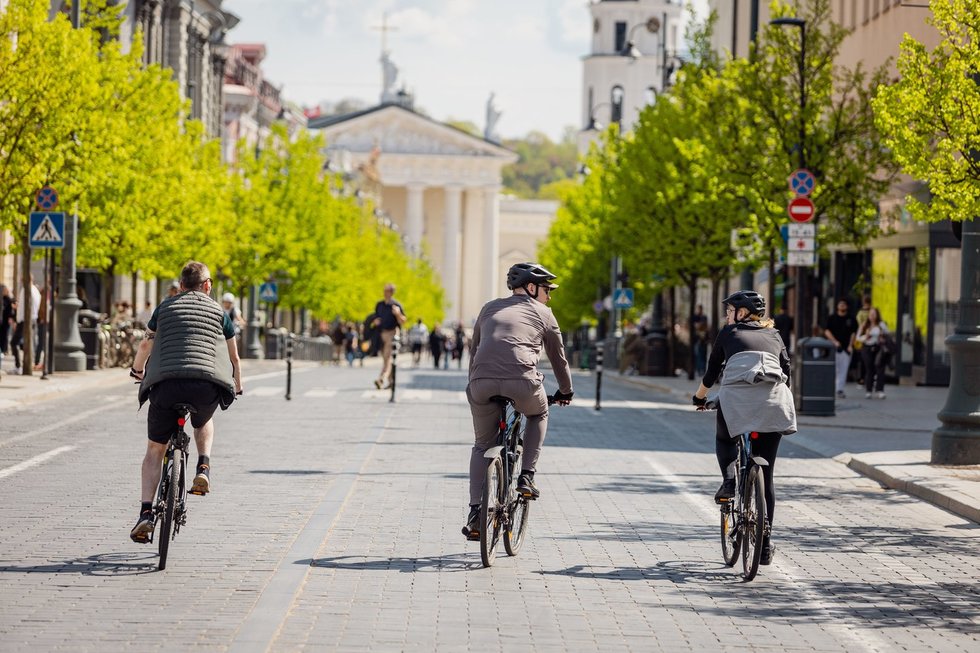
[(105, 403), (321, 392), (31, 462), (849, 635), (265, 391)]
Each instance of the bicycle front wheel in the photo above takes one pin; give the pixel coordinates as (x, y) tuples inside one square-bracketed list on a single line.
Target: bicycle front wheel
[(753, 523), (729, 534), (490, 512), (514, 534), (169, 507)]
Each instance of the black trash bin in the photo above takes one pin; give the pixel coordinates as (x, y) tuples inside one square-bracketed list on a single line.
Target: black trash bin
[(88, 329), (275, 344), (814, 376), (656, 354)]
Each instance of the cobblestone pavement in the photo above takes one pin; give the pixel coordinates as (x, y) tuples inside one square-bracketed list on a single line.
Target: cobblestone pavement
[(334, 522)]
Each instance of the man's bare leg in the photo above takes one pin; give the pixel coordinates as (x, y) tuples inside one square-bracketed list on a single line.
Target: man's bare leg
[(203, 437)]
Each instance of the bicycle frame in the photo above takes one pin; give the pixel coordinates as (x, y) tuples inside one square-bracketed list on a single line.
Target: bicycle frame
[(179, 442), (510, 441)]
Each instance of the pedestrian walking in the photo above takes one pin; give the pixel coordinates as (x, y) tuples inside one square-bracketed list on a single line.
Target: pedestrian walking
[(228, 305), (459, 345), (418, 338), (861, 317), (17, 343), (7, 321), (877, 347), (840, 330), (390, 316), (783, 323), (350, 343), (437, 343)]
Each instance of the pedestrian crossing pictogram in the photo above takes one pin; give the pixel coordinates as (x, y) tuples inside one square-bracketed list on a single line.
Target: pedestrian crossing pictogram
[(47, 229)]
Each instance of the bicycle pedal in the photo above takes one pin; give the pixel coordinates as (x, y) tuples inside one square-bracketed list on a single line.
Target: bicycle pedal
[(197, 493)]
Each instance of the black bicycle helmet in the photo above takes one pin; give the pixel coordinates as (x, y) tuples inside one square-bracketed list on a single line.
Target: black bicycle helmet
[(747, 299), (521, 274)]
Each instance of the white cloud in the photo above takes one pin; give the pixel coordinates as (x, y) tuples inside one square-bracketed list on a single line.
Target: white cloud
[(419, 24), (573, 20)]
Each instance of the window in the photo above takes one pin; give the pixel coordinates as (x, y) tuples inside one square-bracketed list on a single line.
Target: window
[(616, 99), (650, 96), (620, 36)]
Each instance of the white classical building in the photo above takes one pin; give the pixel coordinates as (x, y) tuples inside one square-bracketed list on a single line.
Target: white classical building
[(634, 53), (439, 185)]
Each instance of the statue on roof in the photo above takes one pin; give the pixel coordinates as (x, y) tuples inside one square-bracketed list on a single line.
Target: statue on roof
[(493, 115), (389, 75)]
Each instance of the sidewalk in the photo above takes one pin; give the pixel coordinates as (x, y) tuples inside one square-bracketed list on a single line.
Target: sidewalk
[(886, 440)]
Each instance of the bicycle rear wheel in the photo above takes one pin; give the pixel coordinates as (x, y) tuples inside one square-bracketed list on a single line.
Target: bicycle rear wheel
[(169, 507), (729, 535), (514, 535), (753, 523), (490, 512)]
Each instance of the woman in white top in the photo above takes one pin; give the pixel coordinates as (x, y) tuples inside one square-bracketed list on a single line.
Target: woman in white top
[(873, 334)]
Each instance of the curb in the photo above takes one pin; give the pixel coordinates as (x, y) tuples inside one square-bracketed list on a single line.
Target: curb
[(913, 488)]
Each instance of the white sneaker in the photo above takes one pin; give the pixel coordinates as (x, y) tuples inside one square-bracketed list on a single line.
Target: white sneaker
[(867, 395), (879, 395)]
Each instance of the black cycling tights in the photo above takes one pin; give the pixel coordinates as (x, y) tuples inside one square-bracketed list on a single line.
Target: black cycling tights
[(766, 446)]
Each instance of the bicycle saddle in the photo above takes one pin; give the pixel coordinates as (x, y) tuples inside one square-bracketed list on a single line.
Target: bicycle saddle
[(502, 400), (184, 408)]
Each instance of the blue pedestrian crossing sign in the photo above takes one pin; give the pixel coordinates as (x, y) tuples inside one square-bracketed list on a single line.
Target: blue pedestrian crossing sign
[(623, 298), (47, 229), (269, 292)]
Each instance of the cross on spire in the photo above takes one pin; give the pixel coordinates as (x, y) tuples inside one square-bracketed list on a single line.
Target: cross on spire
[(384, 28)]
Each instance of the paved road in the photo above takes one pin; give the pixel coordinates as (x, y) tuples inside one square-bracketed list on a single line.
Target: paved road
[(334, 524)]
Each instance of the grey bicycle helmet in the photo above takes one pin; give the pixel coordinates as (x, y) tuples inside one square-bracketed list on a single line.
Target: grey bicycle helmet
[(750, 300), (521, 274)]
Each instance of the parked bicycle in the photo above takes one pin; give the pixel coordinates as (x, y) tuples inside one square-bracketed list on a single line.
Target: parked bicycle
[(743, 520), (503, 510), (170, 504)]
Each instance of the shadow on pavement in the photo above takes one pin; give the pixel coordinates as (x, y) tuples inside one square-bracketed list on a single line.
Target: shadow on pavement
[(675, 571), (405, 565), (103, 564)]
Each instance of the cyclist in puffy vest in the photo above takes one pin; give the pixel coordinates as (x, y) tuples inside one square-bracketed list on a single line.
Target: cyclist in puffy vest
[(508, 337), (195, 361), (755, 394)]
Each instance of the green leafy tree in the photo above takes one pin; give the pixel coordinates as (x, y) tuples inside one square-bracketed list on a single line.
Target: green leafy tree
[(541, 162), (930, 115)]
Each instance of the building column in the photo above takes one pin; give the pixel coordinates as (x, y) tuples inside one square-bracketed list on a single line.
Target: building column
[(450, 272), (414, 217), (491, 241)]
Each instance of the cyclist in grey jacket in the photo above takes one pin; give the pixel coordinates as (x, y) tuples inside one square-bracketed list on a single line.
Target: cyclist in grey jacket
[(507, 341), (195, 361)]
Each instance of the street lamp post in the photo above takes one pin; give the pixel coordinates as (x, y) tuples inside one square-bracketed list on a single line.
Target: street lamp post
[(802, 321)]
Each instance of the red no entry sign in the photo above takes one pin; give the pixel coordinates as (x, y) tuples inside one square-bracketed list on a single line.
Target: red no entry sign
[(801, 209)]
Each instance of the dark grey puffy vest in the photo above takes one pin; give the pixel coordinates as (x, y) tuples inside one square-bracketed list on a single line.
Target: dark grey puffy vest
[(190, 344)]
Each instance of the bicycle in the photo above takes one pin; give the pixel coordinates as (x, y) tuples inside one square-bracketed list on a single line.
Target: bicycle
[(744, 526), (504, 510), (170, 504)]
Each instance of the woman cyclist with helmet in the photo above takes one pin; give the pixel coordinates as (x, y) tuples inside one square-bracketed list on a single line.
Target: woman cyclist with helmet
[(508, 337), (753, 394)]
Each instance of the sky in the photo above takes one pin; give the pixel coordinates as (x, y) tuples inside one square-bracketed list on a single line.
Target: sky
[(452, 54)]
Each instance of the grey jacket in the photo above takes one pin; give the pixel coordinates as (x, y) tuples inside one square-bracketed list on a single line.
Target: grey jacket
[(754, 395), (190, 344)]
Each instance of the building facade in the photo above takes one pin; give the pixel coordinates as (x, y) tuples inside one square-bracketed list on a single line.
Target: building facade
[(911, 274)]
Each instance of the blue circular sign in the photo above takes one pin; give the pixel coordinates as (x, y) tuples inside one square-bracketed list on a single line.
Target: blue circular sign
[(46, 198), (802, 182)]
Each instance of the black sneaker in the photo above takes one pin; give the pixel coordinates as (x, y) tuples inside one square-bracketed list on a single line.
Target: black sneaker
[(525, 485), (472, 528), (202, 482), (768, 551), (143, 529), (726, 492)]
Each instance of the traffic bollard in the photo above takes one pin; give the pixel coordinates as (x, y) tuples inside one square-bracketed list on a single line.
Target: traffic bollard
[(289, 366), (396, 342), (598, 376)]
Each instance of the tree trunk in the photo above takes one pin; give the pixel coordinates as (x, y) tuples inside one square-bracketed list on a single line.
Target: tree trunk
[(715, 305), (771, 302), (671, 333), (27, 333), (692, 290)]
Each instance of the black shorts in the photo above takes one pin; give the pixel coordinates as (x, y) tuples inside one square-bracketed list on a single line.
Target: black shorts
[(161, 421)]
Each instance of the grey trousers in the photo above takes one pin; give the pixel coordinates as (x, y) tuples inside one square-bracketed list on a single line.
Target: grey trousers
[(529, 398)]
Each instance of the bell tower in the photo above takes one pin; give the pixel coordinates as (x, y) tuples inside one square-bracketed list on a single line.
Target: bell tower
[(633, 56)]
